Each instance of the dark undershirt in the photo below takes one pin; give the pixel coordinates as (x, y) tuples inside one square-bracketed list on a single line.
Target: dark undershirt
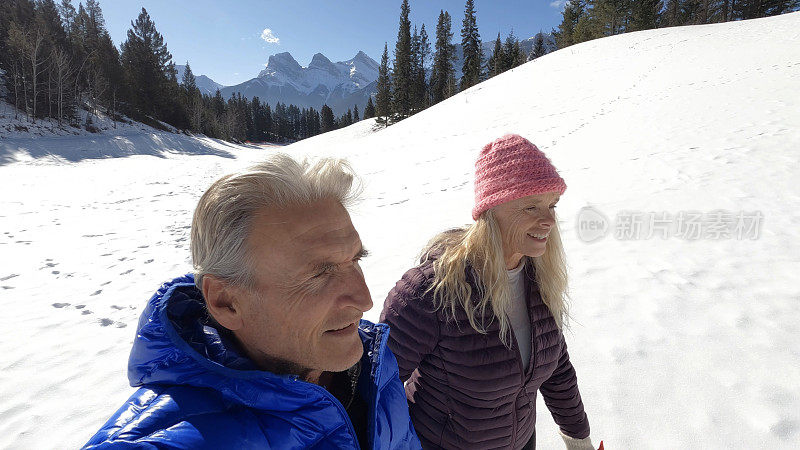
[(357, 409)]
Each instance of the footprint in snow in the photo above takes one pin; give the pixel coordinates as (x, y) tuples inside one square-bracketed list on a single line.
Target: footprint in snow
[(106, 322), (785, 428), (9, 277), (95, 292), (60, 305)]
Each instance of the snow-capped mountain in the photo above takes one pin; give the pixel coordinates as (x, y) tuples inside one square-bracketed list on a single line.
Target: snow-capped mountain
[(340, 85), (205, 84)]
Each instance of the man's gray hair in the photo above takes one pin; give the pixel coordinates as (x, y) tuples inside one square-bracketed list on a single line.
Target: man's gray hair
[(225, 212)]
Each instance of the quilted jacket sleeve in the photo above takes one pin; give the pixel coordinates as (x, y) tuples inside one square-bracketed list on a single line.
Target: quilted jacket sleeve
[(561, 395), (413, 324)]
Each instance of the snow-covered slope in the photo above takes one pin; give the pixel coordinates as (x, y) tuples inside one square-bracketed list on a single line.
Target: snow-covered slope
[(21, 139), (340, 85), (689, 344)]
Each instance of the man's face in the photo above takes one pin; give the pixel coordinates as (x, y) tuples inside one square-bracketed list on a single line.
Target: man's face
[(309, 291)]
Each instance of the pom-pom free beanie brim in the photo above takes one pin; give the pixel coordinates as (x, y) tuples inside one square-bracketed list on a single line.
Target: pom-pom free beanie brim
[(509, 168)]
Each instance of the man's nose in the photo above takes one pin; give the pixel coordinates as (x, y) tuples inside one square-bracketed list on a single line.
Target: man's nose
[(358, 295)]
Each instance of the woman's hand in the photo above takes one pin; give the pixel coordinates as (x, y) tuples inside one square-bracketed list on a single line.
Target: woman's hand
[(579, 444)]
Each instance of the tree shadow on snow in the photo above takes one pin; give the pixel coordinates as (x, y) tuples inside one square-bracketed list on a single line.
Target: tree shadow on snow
[(79, 148)]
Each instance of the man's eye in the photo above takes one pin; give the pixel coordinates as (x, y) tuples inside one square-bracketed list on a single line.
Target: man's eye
[(552, 206), (325, 271)]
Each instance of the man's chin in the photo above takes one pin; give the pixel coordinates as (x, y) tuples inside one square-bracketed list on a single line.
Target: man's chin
[(344, 355)]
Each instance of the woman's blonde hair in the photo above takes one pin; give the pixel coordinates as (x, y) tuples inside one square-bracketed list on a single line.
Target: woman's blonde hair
[(479, 247)]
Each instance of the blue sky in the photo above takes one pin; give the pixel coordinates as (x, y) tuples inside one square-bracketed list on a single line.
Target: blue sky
[(223, 40)]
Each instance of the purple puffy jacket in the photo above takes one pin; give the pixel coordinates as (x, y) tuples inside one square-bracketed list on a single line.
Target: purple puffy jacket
[(466, 389)]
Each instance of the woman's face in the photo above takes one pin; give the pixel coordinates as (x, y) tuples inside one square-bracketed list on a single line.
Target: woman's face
[(525, 224)]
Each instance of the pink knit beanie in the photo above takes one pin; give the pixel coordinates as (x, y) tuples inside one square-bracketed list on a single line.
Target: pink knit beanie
[(510, 168)]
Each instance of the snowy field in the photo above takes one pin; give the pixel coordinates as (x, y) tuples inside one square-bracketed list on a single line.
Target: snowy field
[(680, 342)]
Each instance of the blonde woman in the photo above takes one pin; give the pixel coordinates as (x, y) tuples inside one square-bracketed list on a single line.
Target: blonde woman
[(477, 326)]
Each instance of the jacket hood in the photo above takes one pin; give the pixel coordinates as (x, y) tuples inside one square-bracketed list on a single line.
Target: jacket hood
[(175, 345)]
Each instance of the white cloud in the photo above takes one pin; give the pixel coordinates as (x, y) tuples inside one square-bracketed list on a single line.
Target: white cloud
[(268, 37), (558, 4)]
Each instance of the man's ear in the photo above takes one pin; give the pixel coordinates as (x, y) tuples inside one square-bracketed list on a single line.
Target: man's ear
[(222, 303)]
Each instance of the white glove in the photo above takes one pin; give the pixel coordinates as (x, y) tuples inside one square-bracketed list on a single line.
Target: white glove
[(577, 444)]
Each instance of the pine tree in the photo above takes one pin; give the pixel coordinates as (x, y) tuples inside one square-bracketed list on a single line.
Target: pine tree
[(538, 47), (588, 28), (146, 62), (189, 81), (511, 51), (355, 113), (645, 14), (724, 10), (102, 75), (193, 99), (671, 16), (67, 12), (442, 72), (471, 45), (496, 63), (383, 97), (369, 110), (573, 11), (752, 9), (401, 68), (261, 120), (611, 17), (690, 12), (49, 22), (521, 57), (415, 69), (420, 79)]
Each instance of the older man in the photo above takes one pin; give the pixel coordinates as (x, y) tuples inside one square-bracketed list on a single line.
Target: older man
[(264, 347)]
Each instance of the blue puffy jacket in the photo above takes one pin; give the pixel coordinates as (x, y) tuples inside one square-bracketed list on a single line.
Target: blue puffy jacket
[(197, 392)]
